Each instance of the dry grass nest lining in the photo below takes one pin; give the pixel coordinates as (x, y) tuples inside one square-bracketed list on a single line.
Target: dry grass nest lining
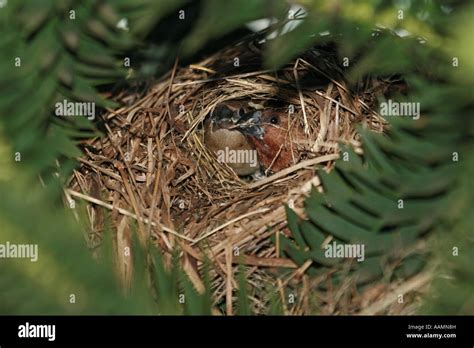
[(152, 165)]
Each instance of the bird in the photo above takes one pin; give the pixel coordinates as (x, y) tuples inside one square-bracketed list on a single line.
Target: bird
[(228, 142), (269, 132)]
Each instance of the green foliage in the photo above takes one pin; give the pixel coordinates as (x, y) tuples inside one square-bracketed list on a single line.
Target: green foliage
[(45, 60), (244, 305), (65, 267), (453, 289), (384, 201), (454, 280), (144, 14), (352, 24)]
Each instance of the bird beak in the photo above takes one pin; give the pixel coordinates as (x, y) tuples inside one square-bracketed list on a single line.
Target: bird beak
[(250, 124)]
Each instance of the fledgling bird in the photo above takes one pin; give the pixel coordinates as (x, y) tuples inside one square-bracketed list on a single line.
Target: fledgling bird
[(277, 142), (221, 135)]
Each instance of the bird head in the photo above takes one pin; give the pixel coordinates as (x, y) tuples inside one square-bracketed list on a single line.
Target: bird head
[(268, 132)]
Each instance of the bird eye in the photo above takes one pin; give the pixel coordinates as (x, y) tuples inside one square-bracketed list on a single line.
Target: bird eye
[(274, 120)]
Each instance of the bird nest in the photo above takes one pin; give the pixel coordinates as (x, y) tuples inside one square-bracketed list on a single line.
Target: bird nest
[(152, 172)]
